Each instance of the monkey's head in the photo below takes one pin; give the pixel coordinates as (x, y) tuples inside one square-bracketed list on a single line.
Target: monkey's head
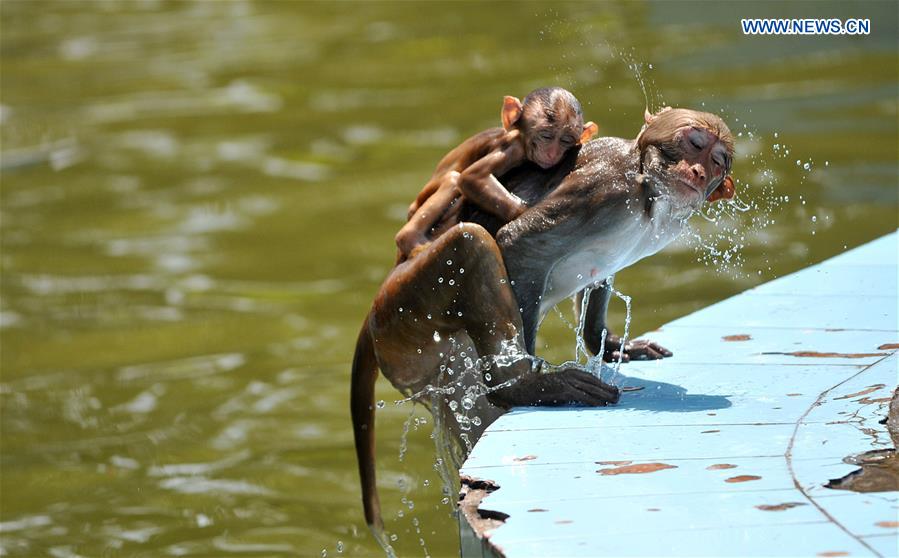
[(551, 122), (694, 149)]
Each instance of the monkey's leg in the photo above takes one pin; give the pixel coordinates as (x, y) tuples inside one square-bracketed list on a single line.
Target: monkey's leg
[(415, 231), (418, 300), (595, 323)]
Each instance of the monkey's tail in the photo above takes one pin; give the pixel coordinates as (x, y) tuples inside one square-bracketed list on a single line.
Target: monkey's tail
[(362, 395)]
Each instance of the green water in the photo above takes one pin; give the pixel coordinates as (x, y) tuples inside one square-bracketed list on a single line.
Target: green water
[(198, 204)]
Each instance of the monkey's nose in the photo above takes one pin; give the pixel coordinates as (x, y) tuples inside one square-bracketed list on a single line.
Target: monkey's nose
[(698, 172)]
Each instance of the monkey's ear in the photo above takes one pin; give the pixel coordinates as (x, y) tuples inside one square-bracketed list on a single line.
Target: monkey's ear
[(724, 191), (590, 130), (511, 111)]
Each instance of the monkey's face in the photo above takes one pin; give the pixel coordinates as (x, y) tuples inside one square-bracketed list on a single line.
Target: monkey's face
[(547, 144), (696, 160)]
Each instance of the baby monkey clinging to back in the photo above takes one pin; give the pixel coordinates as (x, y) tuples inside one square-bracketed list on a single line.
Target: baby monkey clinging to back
[(541, 129)]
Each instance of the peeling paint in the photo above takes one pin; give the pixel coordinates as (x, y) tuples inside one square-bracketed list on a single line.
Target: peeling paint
[(739, 337), (888, 346), (525, 458), (720, 466), (780, 507), (636, 469), (878, 472), (834, 553), (613, 462), (709, 431), (743, 478), (535, 510), (888, 524), (866, 391), (815, 354), (482, 521)]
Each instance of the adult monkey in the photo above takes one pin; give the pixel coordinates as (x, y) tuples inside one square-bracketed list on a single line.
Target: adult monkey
[(604, 207)]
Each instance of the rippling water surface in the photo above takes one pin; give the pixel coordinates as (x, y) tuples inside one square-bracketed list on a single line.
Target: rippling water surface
[(199, 200)]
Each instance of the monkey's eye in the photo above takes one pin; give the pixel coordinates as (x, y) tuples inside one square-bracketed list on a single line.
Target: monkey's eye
[(718, 159), (546, 136), (669, 153), (567, 140)]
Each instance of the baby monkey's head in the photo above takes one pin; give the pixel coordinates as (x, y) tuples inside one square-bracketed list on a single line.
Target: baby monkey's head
[(551, 122)]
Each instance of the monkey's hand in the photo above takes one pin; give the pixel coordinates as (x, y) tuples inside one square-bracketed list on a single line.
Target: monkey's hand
[(571, 386), (638, 349)]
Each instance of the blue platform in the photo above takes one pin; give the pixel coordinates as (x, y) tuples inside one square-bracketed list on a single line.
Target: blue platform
[(766, 395)]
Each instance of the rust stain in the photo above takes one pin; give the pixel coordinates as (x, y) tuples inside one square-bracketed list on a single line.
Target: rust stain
[(537, 510), (709, 431), (793, 394), (630, 388), (834, 553), (739, 337), (720, 466), (743, 478), (563, 522), (888, 524), (780, 507), (815, 354), (888, 346), (866, 391), (636, 469), (525, 458), (614, 462)]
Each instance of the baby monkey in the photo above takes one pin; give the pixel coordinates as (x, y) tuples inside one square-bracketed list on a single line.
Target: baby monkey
[(541, 129)]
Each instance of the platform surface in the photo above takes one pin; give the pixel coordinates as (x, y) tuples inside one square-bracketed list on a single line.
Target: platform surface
[(727, 448)]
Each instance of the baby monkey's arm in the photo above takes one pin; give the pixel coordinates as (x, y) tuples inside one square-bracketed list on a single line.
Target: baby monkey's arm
[(479, 185)]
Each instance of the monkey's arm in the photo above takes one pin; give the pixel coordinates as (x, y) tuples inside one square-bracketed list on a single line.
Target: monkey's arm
[(479, 185), (595, 325)]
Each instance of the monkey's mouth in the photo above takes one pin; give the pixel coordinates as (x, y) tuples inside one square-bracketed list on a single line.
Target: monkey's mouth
[(693, 186)]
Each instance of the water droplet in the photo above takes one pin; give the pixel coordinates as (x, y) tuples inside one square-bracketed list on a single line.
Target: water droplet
[(324, 553), (436, 337), (440, 279), (393, 537), (807, 166), (461, 270), (775, 134), (798, 162), (339, 547), (381, 404), (467, 403), (476, 421), (419, 351), (401, 309), (449, 262), (452, 282), (426, 482), (488, 377), (814, 218)]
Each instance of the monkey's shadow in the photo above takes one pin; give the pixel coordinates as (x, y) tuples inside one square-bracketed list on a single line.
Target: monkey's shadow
[(649, 395)]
